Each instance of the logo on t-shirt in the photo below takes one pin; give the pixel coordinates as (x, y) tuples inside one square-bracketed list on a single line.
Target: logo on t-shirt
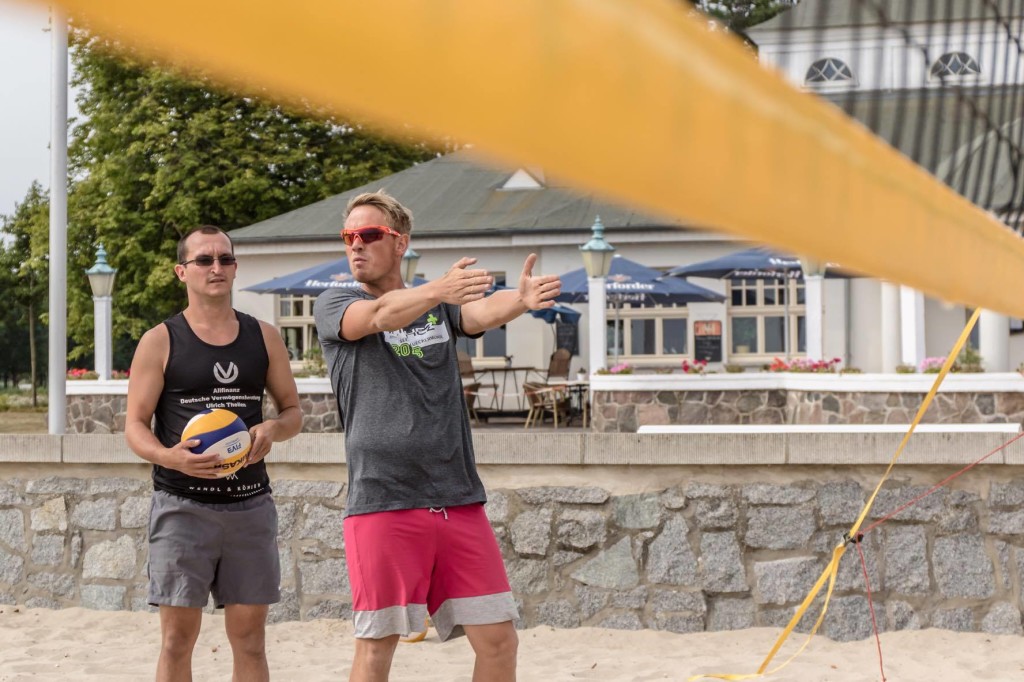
[(225, 376), (412, 340)]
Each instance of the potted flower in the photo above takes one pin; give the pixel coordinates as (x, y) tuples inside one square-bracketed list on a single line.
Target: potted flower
[(695, 367)]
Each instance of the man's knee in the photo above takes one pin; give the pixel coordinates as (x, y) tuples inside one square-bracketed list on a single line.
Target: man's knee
[(179, 630), (495, 642), (246, 628), (382, 649)]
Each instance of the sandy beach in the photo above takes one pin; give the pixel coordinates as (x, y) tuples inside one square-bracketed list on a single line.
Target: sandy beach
[(79, 644)]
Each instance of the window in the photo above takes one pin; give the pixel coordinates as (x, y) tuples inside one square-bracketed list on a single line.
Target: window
[(494, 342), (955, 64), (298, 328), (829, 70), (758, 312), (652, 333)]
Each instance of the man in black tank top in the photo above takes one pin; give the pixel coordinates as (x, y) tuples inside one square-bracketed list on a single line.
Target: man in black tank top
[(210, 535)]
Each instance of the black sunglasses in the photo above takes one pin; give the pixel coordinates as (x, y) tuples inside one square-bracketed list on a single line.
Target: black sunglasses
[(207, 261)]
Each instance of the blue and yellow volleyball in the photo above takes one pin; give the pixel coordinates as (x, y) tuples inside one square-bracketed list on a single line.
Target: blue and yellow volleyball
[(221, 432)]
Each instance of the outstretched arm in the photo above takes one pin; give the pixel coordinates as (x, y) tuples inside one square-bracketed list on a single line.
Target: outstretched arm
[(535, 292), (401, 307)]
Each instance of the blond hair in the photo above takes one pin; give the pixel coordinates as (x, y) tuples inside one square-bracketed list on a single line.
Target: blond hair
[(397, 216)]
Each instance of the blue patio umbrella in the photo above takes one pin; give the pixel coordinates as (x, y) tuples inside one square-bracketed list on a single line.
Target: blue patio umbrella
[(756, 263), (313, 281), (558, 312), (631, 282), (338, 275)]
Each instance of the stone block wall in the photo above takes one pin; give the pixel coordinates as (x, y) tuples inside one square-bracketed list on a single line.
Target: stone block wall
[(624, 411), (106, 413), (698, 556)]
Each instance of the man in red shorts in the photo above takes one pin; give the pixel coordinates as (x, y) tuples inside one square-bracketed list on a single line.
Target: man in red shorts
[(417, 540)]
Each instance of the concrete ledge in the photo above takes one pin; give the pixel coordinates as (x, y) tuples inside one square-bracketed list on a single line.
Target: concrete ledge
[(697, 448), (691, 429), (310, 448), (986, 382), (505, 447), (97, 449), (708, 445), (863, 443), (20, 447)]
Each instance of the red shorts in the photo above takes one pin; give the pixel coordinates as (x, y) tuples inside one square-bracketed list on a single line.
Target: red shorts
[(405, 564)]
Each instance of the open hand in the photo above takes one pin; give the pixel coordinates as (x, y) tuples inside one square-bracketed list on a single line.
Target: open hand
[(461, 285), (537, 291)]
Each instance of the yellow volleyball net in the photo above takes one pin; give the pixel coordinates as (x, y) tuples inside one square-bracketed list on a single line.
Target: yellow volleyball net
[(910, 173), (642, 100)]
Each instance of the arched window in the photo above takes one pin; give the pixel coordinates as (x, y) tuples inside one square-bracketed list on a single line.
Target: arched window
[(956, 64), (828, 70)]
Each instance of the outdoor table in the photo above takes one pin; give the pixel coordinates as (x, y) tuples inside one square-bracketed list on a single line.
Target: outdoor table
[(506, 378)]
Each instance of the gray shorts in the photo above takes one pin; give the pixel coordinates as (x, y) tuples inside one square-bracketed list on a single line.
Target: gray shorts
[(229, 550)]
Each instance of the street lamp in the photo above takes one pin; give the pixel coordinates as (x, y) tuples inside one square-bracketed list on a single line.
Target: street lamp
[(410, 260), (597, 260), (101, 279)]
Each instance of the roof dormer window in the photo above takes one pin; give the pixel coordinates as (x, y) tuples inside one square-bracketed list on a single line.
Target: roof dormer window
[(955, 64), (524, 179), (829, 70)]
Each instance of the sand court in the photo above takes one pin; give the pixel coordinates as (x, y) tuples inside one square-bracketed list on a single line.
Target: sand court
[(81, 644)]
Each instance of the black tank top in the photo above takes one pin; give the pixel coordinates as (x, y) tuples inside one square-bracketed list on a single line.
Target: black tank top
[(201, 376)]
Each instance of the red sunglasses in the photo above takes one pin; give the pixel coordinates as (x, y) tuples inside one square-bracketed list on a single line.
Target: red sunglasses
[(367, 234)]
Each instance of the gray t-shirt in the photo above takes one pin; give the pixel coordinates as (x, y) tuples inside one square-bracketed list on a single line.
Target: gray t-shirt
[(407, 438)]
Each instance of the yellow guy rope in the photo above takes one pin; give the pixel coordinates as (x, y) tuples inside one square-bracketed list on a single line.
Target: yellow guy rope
[(635, 99), (829, 574)]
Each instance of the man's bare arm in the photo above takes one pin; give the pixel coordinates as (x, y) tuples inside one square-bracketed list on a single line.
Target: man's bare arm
[(281, 386), (145, 385), (534, 293), (401, 307)]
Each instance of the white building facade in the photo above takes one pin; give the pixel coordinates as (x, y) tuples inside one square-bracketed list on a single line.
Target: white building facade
[(463, 208)]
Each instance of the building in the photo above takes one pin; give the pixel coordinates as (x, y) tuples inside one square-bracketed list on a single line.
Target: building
[(890, 75)]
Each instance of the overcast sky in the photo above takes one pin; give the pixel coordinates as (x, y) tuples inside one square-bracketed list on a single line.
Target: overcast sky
[(24, 100)]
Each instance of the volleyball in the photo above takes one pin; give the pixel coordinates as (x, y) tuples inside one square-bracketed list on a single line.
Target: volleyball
[(221, 432)]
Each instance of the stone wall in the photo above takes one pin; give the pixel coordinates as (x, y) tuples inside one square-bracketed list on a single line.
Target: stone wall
[(701, 555), (106, 413), (624, 411)]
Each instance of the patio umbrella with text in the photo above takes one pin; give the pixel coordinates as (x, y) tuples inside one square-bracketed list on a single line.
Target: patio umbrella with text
[(631, 282)]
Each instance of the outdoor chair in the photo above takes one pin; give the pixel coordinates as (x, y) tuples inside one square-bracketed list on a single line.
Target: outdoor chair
[(544, 399), (471, 391), (558, 367), (470, 386)]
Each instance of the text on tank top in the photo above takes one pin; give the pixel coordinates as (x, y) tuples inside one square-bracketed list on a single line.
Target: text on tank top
[(201, 376)]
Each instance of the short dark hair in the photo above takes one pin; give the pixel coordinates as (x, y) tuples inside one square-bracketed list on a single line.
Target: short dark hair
[(204, 229)]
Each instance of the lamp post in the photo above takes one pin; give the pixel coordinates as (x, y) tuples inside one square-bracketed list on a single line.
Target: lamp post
[(814, 274), (410, 260), (597, 260), (101, 279)]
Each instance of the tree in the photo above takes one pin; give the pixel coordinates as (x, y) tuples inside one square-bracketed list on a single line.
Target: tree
[(24, 281), (739, 15), (160, 152)]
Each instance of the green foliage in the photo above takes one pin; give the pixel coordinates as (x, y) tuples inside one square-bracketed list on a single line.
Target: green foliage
[(24, 281), (906, 369), (969, 361), (738, 15), (314, 364), (161, 152)]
